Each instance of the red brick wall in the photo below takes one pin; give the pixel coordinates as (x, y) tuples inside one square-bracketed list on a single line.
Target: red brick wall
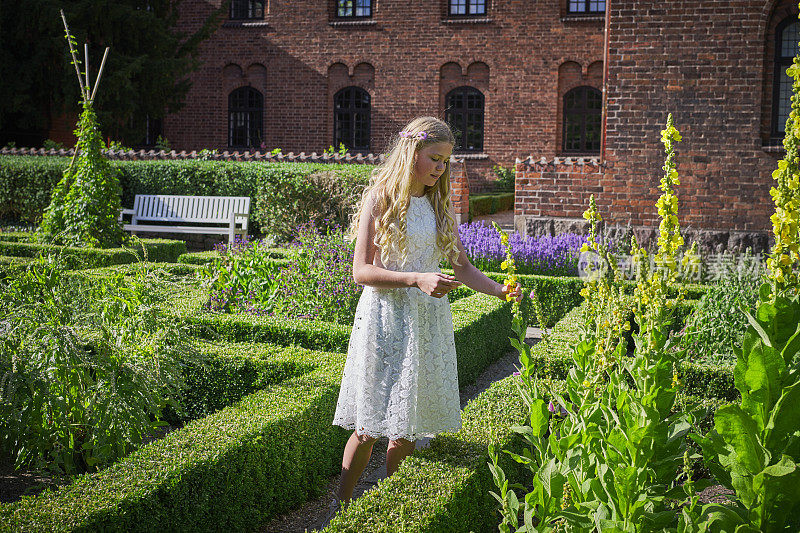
[(704, 63), (407, 58), (459, 194), (558, 189)]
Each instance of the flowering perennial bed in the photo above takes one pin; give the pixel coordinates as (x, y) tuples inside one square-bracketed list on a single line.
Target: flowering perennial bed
[(551, 256)]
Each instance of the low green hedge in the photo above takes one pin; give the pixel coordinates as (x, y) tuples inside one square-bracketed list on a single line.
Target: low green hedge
[(157, 250), (15, 236), (480, 324), (556, 294), (228, 372), (230, 471), (12, 266), (202, 258), (487, 204)]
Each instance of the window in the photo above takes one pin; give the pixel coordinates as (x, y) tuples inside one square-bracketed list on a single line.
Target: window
[(351, 115), (353, 8), (247, 9), (582, 117), (785, 50), (467, 7), (154, 129), (586, 7), (464, 114), (245, 118)]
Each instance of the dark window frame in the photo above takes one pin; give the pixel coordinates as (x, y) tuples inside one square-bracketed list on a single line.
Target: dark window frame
[(358, 124), (459, 119), (587, 5), (468, 4), (584, 112), (780, 64), (337, 9), (247, 6), (253, 109)]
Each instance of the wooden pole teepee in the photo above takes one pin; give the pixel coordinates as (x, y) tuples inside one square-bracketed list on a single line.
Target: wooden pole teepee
[(85, 88)]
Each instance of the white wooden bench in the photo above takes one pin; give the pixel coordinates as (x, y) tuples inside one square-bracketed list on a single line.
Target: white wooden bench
[(210, 211)]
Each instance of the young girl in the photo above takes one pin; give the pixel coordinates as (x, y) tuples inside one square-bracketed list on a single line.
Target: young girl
[(400, 377)]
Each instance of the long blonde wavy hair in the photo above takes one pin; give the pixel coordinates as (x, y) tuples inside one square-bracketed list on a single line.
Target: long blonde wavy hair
[(391, 184)]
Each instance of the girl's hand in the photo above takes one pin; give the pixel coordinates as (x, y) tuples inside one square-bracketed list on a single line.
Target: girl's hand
[(516, 293), (436, 284)]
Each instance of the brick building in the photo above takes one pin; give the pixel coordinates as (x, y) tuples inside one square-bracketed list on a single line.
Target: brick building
[(518, 79), (715, 66), (305, 75)]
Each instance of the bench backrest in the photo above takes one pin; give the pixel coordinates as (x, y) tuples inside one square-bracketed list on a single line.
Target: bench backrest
[(168, 208)]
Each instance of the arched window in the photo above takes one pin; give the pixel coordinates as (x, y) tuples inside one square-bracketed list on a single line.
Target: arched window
[(245, 118), (464, 113), (785, 50), (582, 118), (247, 9), (351, 115)]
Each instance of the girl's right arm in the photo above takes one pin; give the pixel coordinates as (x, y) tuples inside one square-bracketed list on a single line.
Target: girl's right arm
[(434, 284)]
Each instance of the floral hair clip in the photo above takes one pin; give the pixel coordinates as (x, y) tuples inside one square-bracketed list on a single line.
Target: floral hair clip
[(422, 135)]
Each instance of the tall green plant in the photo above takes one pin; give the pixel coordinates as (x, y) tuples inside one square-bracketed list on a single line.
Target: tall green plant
[(85, 205), (604, 454), (754, 447)]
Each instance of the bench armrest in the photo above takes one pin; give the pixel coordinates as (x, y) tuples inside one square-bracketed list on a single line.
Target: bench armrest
[(123, 212), (245, 216)]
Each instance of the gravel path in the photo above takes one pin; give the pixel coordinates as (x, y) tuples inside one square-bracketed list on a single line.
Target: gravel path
[(310, 515)]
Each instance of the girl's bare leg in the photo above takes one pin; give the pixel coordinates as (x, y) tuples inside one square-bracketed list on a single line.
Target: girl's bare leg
[(356, 456), (397, 451)]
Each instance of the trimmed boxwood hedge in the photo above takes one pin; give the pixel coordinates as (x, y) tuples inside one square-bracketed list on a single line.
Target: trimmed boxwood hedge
[(158, 250), (26, 183), (486, 204), (473, 317), (202, 258), (11, 266), (230, 471), (228, 373)]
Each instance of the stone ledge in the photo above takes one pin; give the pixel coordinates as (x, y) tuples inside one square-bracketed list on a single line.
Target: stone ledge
[(709, 241)]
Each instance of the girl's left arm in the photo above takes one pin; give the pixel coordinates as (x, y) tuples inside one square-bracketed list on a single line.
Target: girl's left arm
[(473, 278)]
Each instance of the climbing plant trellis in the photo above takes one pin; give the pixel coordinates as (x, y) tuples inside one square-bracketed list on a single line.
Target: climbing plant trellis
[(85, 204)]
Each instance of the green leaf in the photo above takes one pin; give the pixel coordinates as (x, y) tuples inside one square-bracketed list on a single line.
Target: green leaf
[(784, 418), (739, 431)]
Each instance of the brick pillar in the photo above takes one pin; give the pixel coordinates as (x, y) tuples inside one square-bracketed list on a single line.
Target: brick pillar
[(459, 190)]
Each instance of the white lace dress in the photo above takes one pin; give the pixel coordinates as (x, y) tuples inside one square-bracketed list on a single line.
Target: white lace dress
[(400, 377)]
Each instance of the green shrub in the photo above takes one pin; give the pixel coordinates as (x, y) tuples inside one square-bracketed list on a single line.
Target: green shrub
[(717, 325), (487, 204), (230, 372), (284, 194), (201, 258), (556, 294), (11, 267), (505, 177), (26, 184), (79, 257)]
